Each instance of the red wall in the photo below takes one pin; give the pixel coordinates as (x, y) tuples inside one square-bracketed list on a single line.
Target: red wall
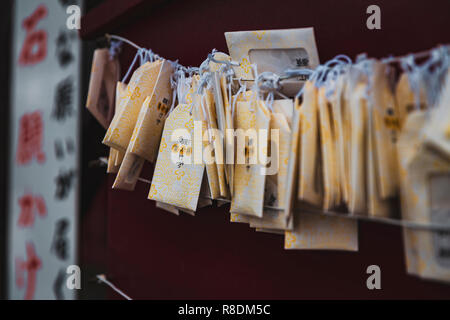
[(154, 254)]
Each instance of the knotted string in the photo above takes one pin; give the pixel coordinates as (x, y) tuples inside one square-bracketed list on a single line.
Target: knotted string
[(413, 72), (242, 89), (173, 85), (114, 49), (434, 73), (430, 75), (323, 73), (364, 67), (313, 75), (255, 85), (206, 115), (228, 72), (139, 54), (225, 62), (341, 63)]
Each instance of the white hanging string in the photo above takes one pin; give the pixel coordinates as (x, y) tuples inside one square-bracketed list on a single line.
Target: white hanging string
[(139, 54), (114, 48), (416, 55), (342, 58), (340, 63), (389, 221), (269, 101), (174, 78), (319, 76), (173, 84), (112, 36), (207, 119), (102, 278), (241, 90), (150, 55), (412, 70)]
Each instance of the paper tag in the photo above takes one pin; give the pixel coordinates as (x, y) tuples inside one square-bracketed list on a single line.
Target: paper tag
[(149, 125), (327, 143), (208, 157), (315, 231), (357, 180), (129, 172), (276, 184), (139, 88), (406, 99), (340, 121), (424, 176), (219, 116), (177, 180), (102, 86), (115, 157), (440, 214), (376, 206), (167, 207), (249, 181), (293, 166), (286, 108), (273, 50), (229, 137), (310, 172), (438, 131), (386, 125)]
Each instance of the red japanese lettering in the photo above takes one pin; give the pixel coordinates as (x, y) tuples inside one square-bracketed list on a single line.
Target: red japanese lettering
[(29, 206), (34, 49), (29, 267), (31, 129)]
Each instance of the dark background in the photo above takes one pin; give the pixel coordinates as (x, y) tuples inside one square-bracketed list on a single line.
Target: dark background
[(149, 253), (5, 51)]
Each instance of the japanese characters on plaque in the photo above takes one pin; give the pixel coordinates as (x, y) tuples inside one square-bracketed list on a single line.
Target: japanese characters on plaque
[(44, 170)]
